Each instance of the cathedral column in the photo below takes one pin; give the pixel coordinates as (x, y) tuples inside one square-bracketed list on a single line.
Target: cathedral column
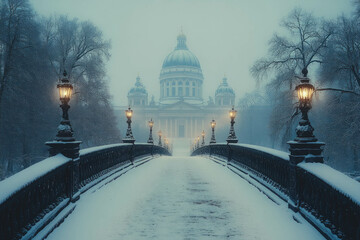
[(176, 129), (191, 127), (196, 127), (167, 124)]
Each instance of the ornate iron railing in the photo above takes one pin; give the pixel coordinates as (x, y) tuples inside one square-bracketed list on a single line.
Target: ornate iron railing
[(330, 210), (25, 207)]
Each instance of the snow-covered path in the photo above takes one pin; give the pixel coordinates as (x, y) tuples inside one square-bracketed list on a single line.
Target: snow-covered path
[(180, 198)]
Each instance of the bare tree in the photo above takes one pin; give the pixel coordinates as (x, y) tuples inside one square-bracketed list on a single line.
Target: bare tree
[(72, 45), (15, 24), (342, 57), (302, 45)]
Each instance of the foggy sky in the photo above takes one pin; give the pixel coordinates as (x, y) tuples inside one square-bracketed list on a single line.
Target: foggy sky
[(226, 36)]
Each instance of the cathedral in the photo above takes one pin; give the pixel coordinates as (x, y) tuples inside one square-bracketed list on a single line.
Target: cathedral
[(181, 111)]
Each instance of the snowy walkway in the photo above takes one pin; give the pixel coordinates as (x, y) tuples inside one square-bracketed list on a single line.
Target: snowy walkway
[(180, 198)]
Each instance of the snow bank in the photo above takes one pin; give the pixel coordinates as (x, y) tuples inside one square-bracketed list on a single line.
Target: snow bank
[(277, 153), (336, 179), (11, 185), (98, 148)]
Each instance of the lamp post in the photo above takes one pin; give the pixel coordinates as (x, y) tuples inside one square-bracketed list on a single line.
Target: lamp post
[(213, 124), (203, 138), (305, 146), (129, 138), (160, 134), (151, 124), (232, 137), (64, 141), (198, 142), (305, 143)]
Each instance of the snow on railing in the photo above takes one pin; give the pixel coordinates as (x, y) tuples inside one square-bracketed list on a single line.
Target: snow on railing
[(335, 179), (16, 182), (271, 151), (99, 148)]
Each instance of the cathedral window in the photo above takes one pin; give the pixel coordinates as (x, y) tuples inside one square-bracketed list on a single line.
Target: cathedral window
[(187, 92), (167, 84), (187, 83), (193, 92), (193, 84), (173, 83), (180, 91), (173, 91), (180, 83), (167, 92)]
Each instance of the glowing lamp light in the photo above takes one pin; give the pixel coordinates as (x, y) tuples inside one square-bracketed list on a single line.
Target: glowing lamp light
[(203, 133), (151, 123), (213, 123), (232, 113), (305, 91), (129, 113), (65, 88), (160, 133)]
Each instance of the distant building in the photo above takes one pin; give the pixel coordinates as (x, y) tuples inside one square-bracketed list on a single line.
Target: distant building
[(181, 111)]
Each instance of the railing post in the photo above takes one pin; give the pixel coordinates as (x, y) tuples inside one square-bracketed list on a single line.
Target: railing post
[(299, 152), (71, 150), (229, 153), (74, 178)]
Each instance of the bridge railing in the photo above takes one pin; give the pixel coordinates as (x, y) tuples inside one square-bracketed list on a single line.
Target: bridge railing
[(328, 199), (44, 189)]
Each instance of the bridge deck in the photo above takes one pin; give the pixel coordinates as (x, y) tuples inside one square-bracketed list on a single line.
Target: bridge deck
[(181, 198)]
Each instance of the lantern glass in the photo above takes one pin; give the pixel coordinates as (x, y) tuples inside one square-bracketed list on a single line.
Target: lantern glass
[(203, 134), (65, 91), (151, 123), (129, 113), (305, 92), (160, 133), (232, 113), (213, 124)]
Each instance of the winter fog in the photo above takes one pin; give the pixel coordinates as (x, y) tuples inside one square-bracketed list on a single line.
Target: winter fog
[(247, 54)]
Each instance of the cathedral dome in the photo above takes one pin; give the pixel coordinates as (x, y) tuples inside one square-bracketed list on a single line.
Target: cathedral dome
[(224, 88), (138, 89), (181, 56)]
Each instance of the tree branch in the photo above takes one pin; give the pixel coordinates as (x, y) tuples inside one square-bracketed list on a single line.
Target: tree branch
[(337, 90)]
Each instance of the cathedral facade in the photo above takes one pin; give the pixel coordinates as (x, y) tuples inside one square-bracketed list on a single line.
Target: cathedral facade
[(181, 111)]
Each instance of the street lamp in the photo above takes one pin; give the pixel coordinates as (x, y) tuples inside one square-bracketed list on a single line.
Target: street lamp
[(129, 138), (213, 124), (305, 147), (160, 134), (305, 90), (151, 124), (232, 137), (64, 141), (198, 142), (203, 138)]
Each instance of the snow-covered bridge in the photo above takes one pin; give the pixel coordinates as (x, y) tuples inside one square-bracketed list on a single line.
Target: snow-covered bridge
[(181, 198), (223, 191)]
